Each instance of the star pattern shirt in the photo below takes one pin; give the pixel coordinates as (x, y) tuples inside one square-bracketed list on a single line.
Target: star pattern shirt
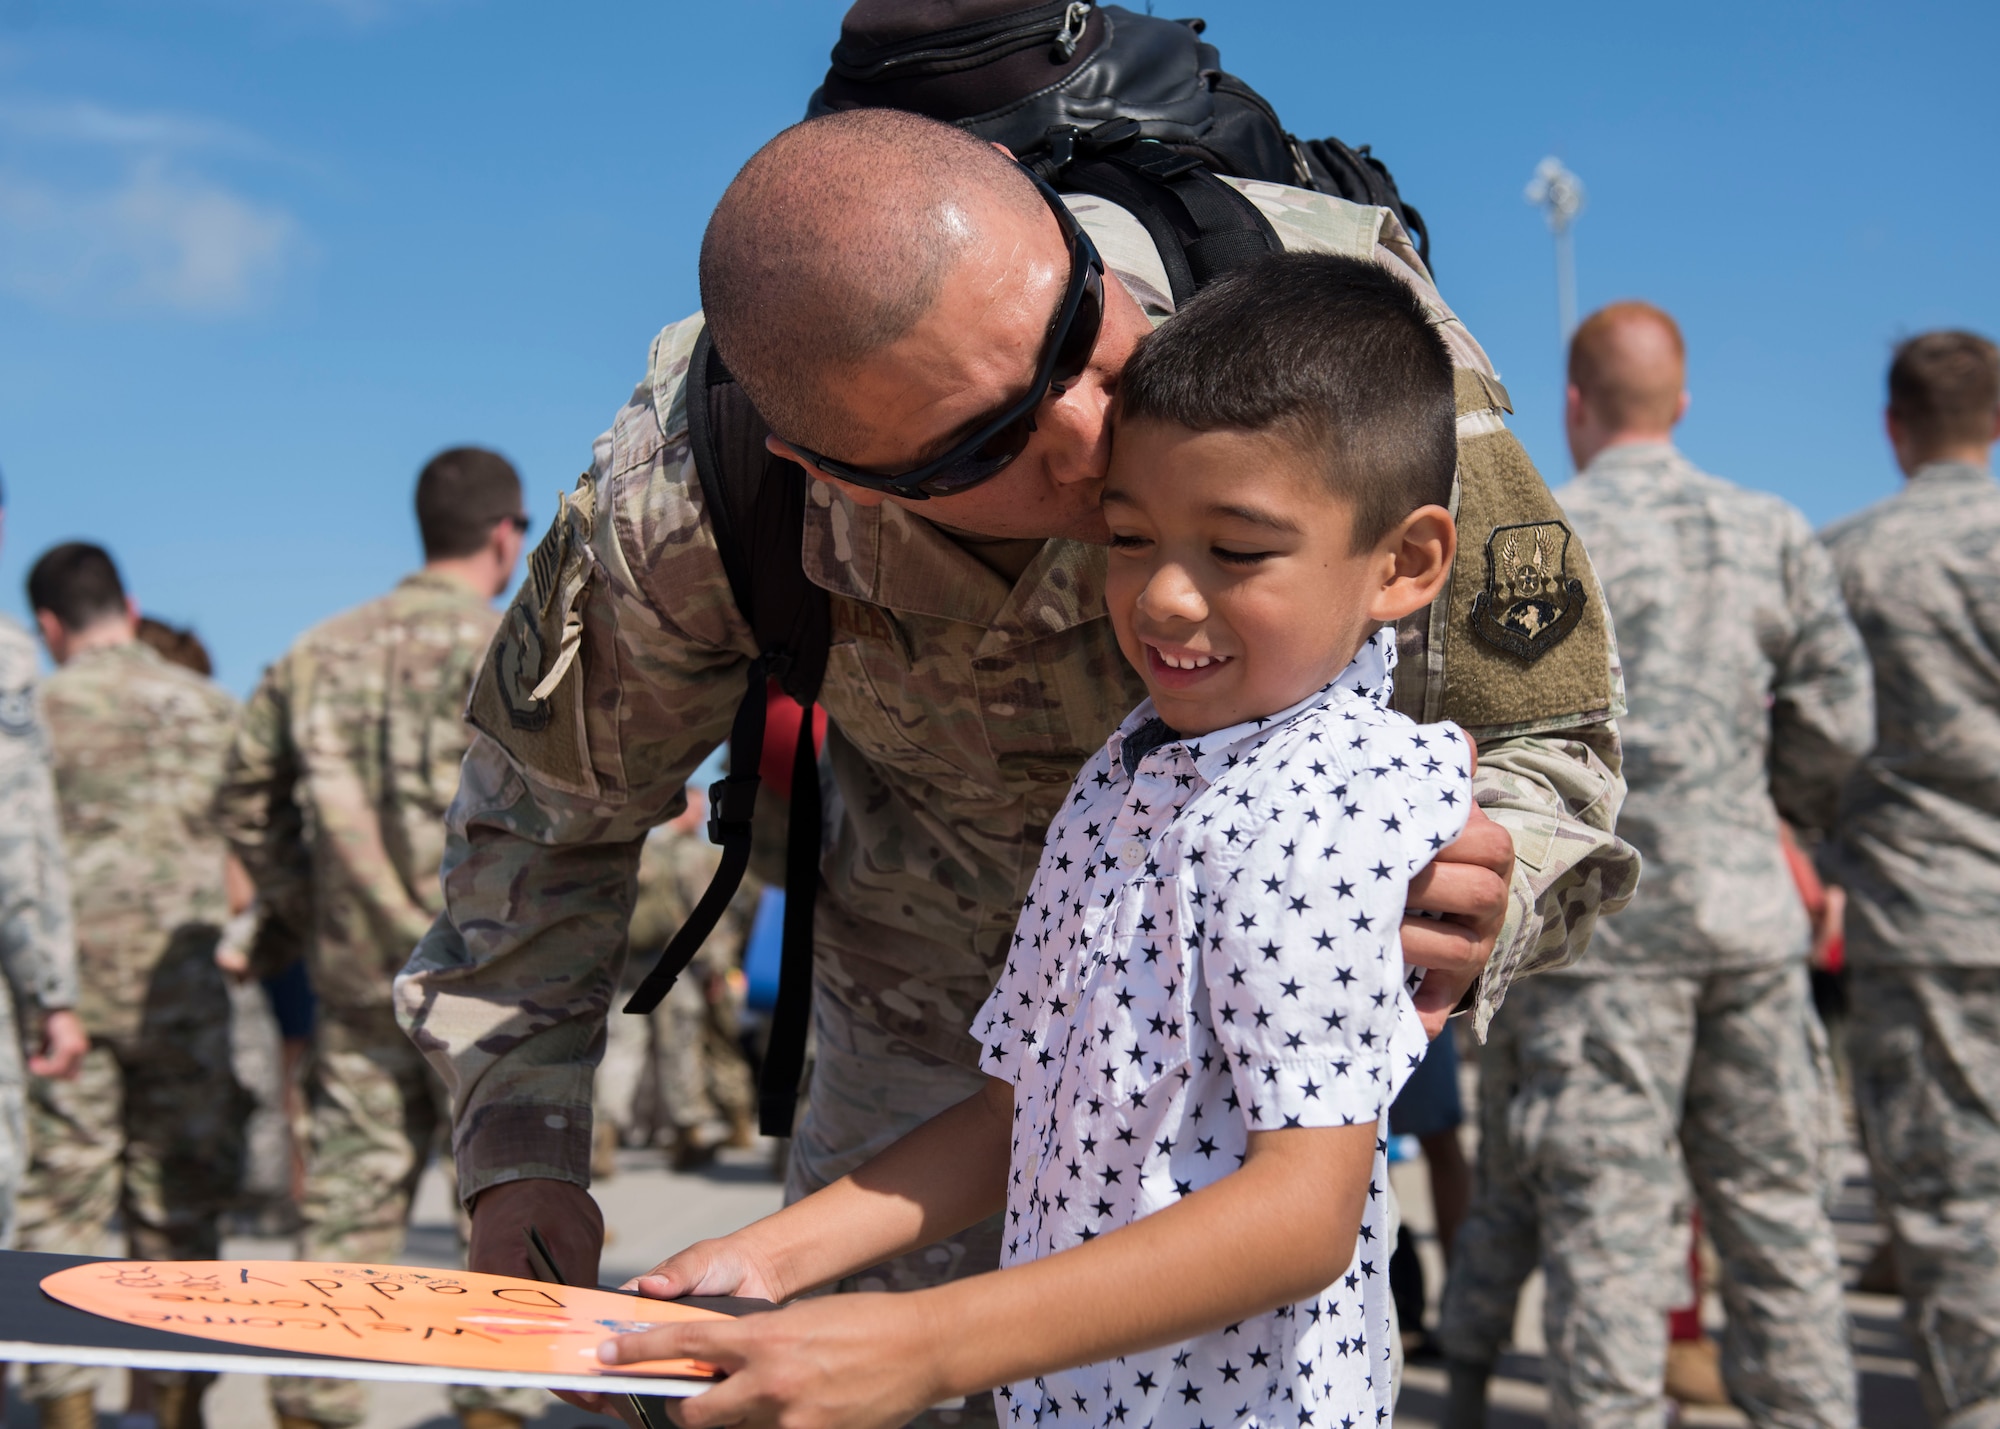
[(1210, 948)]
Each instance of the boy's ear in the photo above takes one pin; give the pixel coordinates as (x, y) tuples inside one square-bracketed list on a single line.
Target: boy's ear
[(1414, 559)]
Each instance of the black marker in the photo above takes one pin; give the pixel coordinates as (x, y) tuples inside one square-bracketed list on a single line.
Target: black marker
[(649, 1409)]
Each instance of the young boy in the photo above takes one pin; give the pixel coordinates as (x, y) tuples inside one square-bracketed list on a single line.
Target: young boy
[(1202, 1017)]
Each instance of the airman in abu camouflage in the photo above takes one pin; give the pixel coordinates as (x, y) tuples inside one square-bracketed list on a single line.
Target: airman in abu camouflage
[(1684, 1044), (337, 782), (972, 666), (1917, 846), (151, 1129), (37, 933)]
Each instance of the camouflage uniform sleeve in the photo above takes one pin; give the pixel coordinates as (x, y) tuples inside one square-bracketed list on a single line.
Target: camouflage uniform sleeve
[(626, 628), (1558, 795), (1823, 696), (256, 805), (1550, 771), (37, 929)]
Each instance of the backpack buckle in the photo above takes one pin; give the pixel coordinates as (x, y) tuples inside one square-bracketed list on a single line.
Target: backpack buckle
[(732, 800)]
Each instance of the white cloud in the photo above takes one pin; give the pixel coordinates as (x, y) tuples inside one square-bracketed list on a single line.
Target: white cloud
[(81, 121), (143, 227)]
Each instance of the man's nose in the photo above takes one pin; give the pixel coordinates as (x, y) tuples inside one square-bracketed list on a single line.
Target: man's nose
[(1075, 434)]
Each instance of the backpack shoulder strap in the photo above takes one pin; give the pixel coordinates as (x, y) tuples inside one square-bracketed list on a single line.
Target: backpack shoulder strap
[(1202, 226), (756, 509)]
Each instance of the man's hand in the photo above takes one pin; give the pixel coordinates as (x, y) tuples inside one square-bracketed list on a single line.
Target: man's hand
[(563, 1212), (842, 1362), (63, 1044), (569, 1221), (1466, 884)]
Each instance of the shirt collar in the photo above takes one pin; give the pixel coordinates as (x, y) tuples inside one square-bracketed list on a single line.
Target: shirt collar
[(1369, 677), (1626, 455), (1939, 471), (437, 581)]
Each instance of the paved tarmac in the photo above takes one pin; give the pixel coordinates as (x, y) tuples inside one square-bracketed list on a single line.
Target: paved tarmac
[(652, 1211)]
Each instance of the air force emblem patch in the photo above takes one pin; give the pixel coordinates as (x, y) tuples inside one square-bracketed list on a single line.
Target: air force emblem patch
[(1531, 601)]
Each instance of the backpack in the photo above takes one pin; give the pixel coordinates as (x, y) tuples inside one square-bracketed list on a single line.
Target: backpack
[(1020, 75), (1098, 100)]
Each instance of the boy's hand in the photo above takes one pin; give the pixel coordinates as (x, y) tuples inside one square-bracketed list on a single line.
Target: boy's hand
[(1467, 885), (727, 1266), (844, 1362)]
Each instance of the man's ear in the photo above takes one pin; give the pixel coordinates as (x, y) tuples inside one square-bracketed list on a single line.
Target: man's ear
[(1415, 560), (52, 633), (859, 495)]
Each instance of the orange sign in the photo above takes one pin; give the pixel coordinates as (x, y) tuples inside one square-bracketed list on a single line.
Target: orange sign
[(444, 1318)]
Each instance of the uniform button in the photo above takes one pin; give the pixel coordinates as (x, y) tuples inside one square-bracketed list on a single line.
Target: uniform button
[(1132, 855)]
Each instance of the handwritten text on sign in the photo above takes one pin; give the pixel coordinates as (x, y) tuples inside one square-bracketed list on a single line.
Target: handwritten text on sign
[(450, 1319)]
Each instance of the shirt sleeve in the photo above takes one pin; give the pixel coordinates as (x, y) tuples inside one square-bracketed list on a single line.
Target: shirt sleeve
[(1823, 697), (257, 806), (508, 991), (1299, 917), (37, 933)]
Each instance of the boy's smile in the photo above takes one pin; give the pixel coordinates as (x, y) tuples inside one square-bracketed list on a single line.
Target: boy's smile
[(1233, 584)]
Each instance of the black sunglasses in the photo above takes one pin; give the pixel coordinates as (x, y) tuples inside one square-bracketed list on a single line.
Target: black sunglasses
[(1004, 436)]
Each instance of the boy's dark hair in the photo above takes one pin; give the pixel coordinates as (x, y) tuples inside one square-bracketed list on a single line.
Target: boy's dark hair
[(1336, 355), (77, 583), (1944, 388), (461, 493)]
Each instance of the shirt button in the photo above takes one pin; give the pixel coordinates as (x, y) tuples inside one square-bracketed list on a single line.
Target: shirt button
[(1132, 855)]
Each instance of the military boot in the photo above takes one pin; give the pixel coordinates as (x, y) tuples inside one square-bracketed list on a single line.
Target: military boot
[(489, 1419), (75, 1410), (177, 1399), (1465, 1397)]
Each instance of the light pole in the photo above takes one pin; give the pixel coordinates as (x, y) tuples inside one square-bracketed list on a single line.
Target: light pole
[(1559, 194)]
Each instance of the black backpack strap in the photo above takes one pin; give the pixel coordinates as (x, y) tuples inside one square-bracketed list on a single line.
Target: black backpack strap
[(756, 509), (1202, 226)]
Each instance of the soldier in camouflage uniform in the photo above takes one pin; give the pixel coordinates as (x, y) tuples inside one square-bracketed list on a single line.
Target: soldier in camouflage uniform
[(701, 1079), (972, 670), (337, 784), (37, 937), (151, 1129), (1918, 849), (1684, 1044)]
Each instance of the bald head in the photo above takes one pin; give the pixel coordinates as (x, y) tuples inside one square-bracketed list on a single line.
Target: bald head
[(1629, 366), (833, 241)]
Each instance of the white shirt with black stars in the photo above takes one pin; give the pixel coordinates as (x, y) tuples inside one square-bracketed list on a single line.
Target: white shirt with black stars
[(1211, 947)]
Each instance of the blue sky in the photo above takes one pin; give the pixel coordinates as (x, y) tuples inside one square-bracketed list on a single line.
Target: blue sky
[(259, 259)]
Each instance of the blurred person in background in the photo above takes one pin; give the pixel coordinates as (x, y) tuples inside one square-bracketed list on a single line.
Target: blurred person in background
[(345, 760), (1917, 848), (151, 1129), (1683, 1045), (37, 935), (680, 1074), (261, 1054)]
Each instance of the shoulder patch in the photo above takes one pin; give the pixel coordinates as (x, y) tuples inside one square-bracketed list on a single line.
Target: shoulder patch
[(528, 696), (17, 712), (1531, 602), (1527, 646)]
